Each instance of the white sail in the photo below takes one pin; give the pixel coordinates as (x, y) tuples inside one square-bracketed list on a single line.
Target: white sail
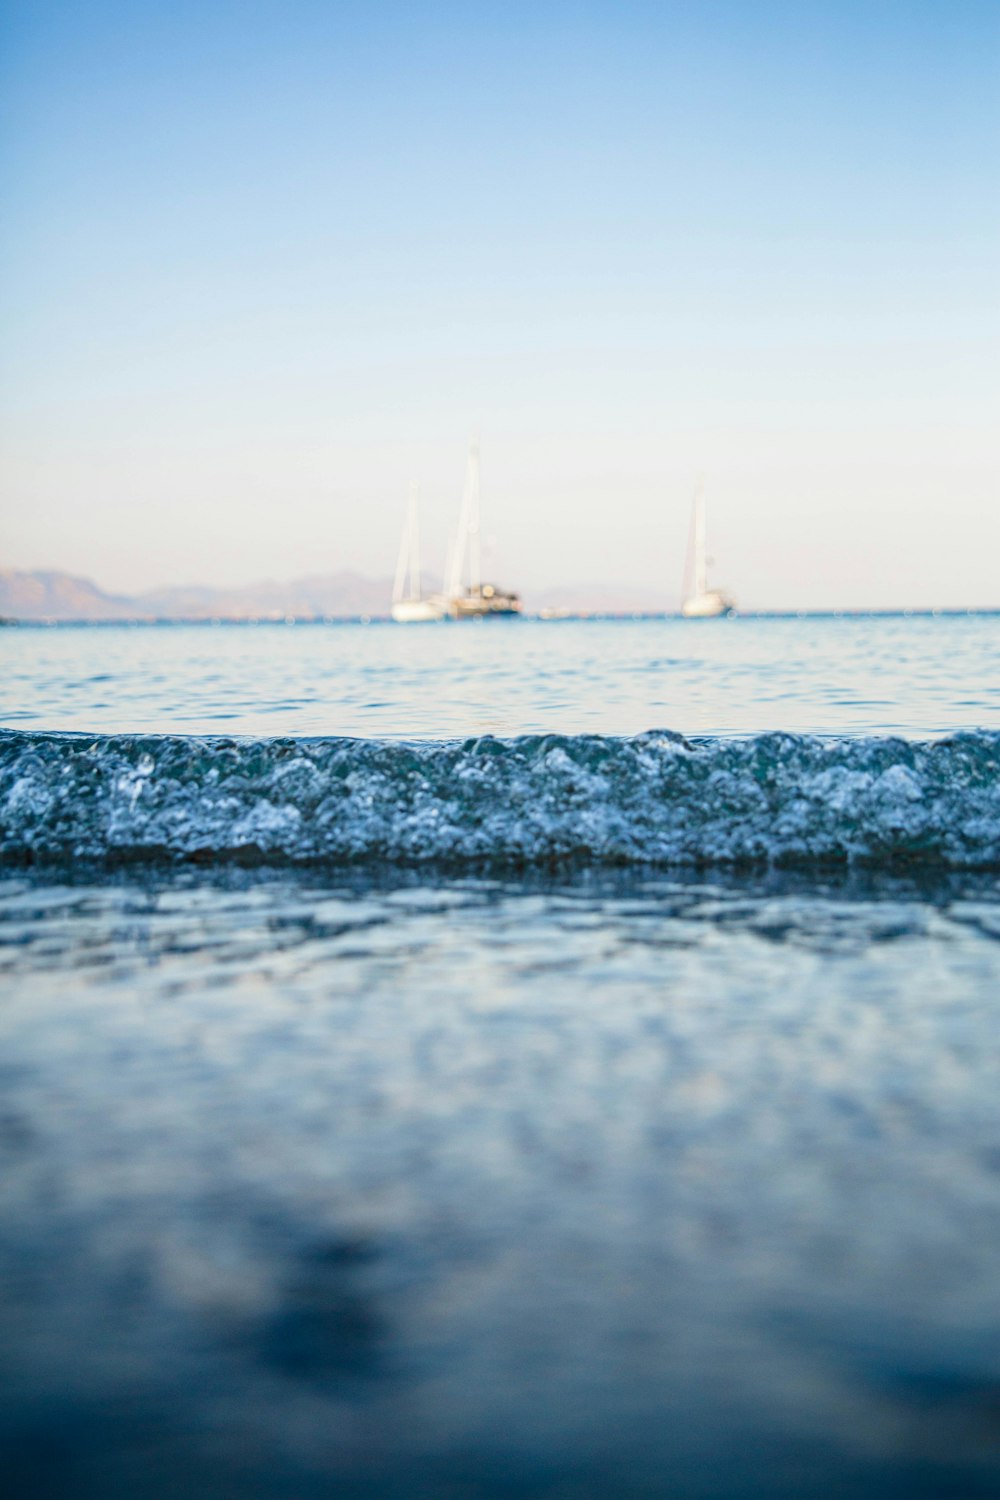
[(409, 607), (464, 563), (468, 597), (416, 586), (402, 563), (700, 563), (698, 600), (474, 532)]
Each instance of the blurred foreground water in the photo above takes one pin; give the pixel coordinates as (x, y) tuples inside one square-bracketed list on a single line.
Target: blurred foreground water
[(604, 1185)]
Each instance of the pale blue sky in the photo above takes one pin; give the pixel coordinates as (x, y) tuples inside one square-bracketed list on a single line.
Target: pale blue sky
[(263, 264)]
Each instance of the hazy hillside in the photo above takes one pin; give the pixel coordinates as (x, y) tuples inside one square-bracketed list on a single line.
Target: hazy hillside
[(317, 597), (60, 596)]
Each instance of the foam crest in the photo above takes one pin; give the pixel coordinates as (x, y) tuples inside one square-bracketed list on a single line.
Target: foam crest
[(534, 800)]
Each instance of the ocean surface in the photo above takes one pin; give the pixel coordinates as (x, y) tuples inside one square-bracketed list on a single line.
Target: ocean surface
[(532, 1059), (919, 676)]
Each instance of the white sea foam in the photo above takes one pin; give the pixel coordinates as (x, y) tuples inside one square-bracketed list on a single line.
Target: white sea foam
[(654, 798)]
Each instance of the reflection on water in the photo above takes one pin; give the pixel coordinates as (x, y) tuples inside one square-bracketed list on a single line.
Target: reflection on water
[(384, 1187)]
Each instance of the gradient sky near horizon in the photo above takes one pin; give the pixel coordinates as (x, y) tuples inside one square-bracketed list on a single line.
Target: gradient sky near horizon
[(263, 265)]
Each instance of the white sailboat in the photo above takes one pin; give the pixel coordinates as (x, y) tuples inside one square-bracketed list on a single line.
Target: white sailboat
[(699, 601), (467, 595), (408, 605)]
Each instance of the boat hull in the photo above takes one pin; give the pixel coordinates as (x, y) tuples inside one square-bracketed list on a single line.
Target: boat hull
[(463, 609), (417, 611), (707, 606), (486, 603)]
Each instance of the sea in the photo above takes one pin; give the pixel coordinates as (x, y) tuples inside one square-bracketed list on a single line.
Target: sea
[(492, 1061)]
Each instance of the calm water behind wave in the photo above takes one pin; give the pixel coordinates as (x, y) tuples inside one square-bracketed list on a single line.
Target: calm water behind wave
[(918, 676)]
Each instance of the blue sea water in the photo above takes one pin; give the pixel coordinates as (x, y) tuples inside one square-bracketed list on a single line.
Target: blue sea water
[(537, 1059), (919, 676)]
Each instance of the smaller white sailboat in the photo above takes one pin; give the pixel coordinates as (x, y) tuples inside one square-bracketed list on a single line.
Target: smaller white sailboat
[(408, 605), (699, 601)]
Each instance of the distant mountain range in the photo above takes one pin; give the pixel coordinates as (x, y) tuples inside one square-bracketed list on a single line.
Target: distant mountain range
[(61, 596), (48, 595)]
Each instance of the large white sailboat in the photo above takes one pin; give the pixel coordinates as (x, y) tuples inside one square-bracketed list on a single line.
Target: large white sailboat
[(468, 596), (699, 601), (409, 607)]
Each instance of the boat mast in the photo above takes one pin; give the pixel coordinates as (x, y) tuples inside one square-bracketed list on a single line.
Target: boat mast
[(466, 544), (451, 570), (700, 568), (458, 546), (399, 585), (472, 485), (408, 565), (415, 591)]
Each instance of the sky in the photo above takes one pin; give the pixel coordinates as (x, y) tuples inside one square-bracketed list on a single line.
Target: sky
[(265, 265)]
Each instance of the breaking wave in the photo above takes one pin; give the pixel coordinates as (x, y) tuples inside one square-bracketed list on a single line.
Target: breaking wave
[(534, 800)]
